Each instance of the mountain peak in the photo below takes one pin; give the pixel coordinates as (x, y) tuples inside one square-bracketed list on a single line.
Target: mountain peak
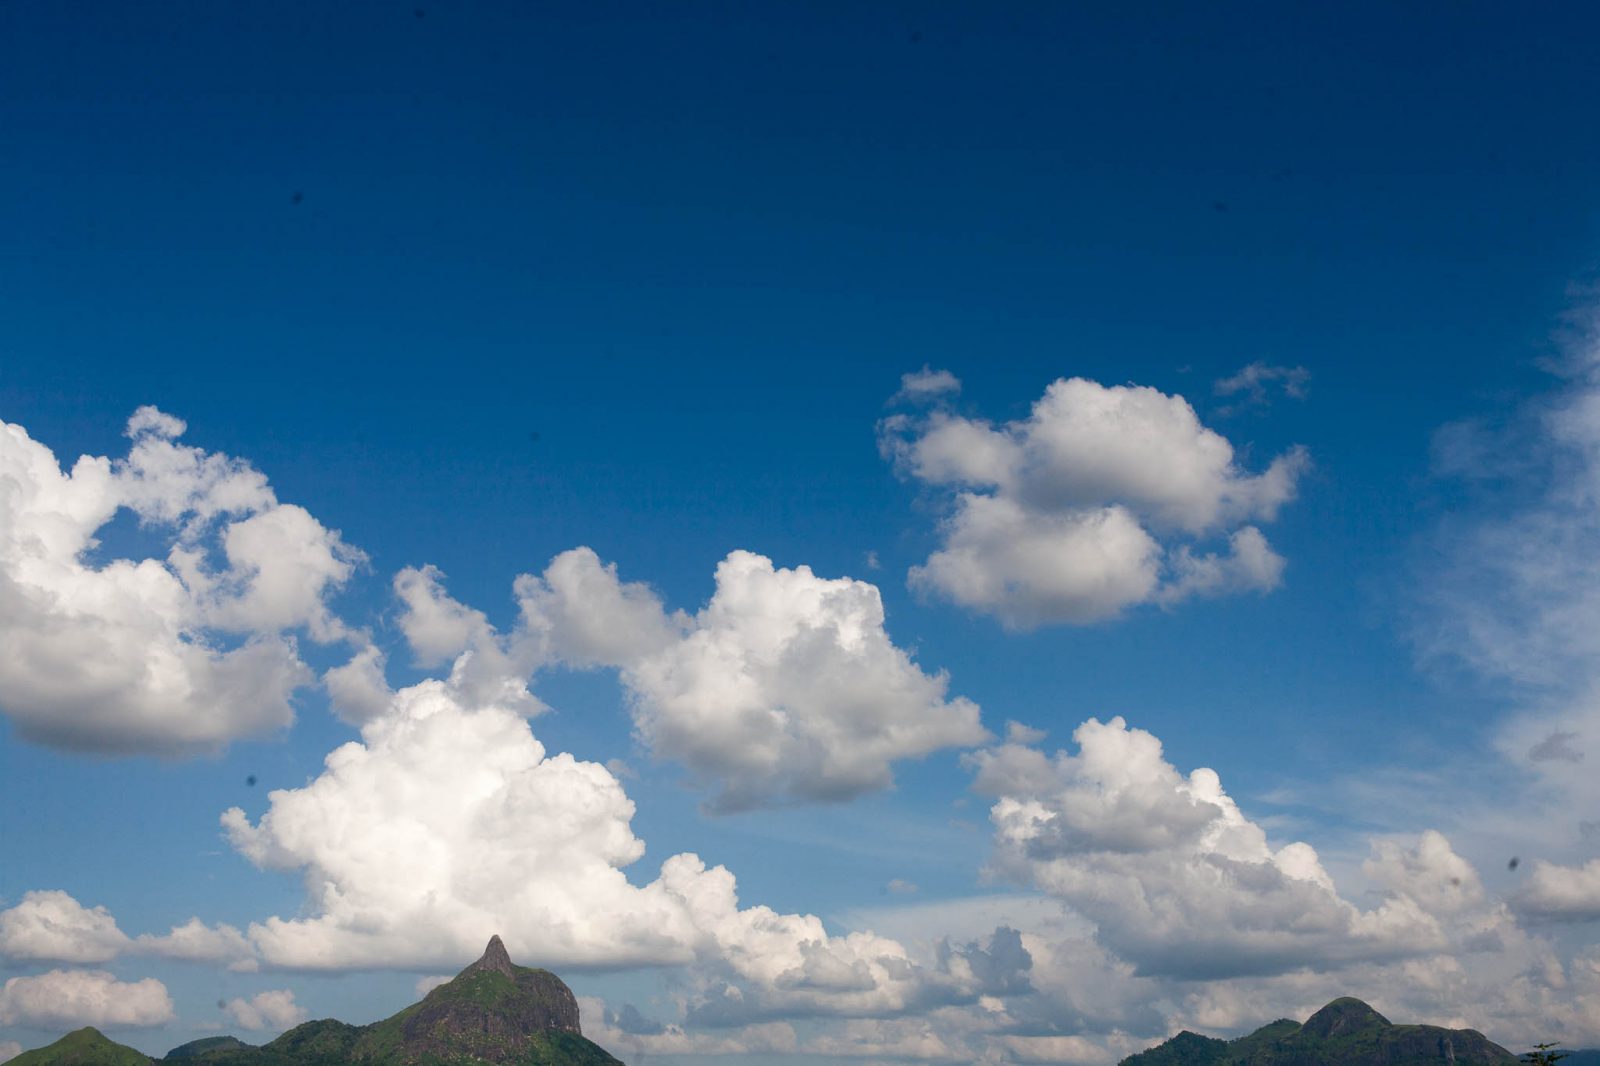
[(1344, 1015), (495, 957)]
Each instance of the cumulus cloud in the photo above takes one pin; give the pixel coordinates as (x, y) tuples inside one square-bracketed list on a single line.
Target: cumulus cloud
[(52, 926), (444, 824), (358, 690), (70, 999), (195, 941), (164, 655), (1178, 882), (487, 670), (273, 1009), (785, 688), (1100, 500), (1562, 893), (9, 1049)]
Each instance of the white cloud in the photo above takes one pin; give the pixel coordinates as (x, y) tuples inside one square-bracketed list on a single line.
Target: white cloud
[(1030, 568), (444, 824), (1509, 592), (194, 941), (437, 627), (358, 690), (787, 687), (580, 613), (1179, 883), (9, 1049), (70, 999), (1564, 893), (922, 386), (52, 926), (1253, 383), (627, 1033), (487, 670), (784, 688), (428, 983), (1098, 501), (273, 1009), (163, 655)]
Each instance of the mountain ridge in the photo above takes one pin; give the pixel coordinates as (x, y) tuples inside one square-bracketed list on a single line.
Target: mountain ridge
[(528, 1017), (493, 1012), (1346, 1032)]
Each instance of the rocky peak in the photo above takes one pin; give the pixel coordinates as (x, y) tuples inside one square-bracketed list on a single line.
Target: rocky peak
[(495, 957)]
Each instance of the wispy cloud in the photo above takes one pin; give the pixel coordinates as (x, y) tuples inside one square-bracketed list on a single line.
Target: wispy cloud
[(1255, 384)]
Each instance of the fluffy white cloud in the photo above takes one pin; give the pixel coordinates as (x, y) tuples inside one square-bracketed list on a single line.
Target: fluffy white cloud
[(784, 688), (358, 690), (444, 824), (580, 613), (195, 941), (1092, 504), (787, 687), (273, 1009), (168, 655), (9, 1049), (69, 999), (488, 671), (1179, 883), (52, 926), (1565, 893)]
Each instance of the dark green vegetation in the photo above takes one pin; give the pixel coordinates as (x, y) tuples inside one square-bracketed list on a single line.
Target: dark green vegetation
[(492, 1012), (83, 1047), (1346, 1032), (205, 1044)]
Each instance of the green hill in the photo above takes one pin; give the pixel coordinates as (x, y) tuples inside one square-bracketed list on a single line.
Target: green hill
[(1346, 1032), (83, 1047)]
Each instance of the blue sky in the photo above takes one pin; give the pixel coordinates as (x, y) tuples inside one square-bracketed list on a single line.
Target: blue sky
[(473, 286)]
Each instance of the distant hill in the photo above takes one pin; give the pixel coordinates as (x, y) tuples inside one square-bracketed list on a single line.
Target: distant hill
[(1586, 1057), (205, 1044), (83, 1047), (491, 1012), (1346, 1032)]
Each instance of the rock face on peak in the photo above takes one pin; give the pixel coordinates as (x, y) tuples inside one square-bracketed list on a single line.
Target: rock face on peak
[(1346, 1032), (490, 1011), (495, 957)]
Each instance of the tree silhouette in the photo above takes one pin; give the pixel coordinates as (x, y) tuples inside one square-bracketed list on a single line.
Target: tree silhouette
[(1543, 1055)]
